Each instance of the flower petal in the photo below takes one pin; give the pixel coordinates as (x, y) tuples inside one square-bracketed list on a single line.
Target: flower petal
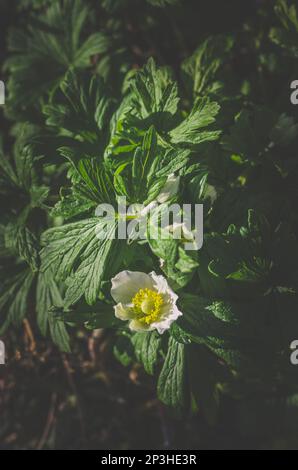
[(136, 325), (166, 322), (162, 286), (127, 283), (123, 312)]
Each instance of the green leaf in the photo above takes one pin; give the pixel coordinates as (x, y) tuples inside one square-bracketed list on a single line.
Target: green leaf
[(38, 196), (285, 131), (287, 14), (142, 177), (48, 295), (154, 97), (77, 255), (204, 375), (7, 171), (250, 135), (178, 264), (162, 3), (14, 298), (286, 37), (190, 130), (98, 181), (146, 346), (48, 298), (59, 333), (85, 110), (21, 240), (201, 69), (234, 331), (144, 162), (100, 315), (113, 5), (172, 382), (241, 256), (52, 43), (97, 43), (123, 349), (72, 205)]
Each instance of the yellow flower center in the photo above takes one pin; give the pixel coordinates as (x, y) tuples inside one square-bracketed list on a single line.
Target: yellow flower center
[(147, 305)]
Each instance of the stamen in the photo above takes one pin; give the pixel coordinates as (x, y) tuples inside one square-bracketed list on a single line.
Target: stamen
[(147, 305)]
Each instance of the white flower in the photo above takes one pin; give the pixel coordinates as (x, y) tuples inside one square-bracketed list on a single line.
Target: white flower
[(145, 300)]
